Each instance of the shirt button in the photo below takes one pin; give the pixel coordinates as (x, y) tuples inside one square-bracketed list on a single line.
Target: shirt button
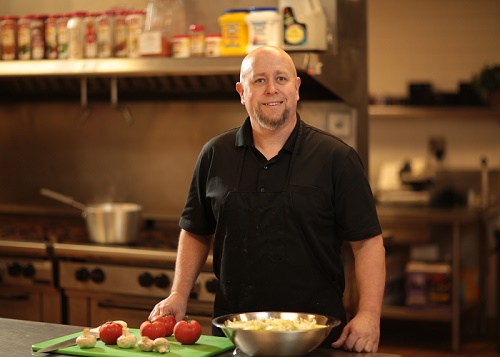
[(262, 189), (265, 167)]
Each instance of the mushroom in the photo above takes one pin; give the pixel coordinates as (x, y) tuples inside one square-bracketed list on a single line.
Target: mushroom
[(87, 340), (146, 344), (161, 345), (126, 340)]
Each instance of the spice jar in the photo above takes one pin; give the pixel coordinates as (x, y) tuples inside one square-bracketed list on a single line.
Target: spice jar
[(62, 36), (197, 40), (76, 34), (90, 35), (51, 36), (212, 45), (135, 25), (105, 34), (8, 30), (181, 46), (37, 33), (120, 34), (24, 37)]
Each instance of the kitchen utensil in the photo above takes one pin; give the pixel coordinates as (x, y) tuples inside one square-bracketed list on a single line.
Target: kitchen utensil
[(206, 346), (107, 223), (63, 344), (276, 343)]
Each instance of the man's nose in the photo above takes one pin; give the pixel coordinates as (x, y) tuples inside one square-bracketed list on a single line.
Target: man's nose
[(271, 88)]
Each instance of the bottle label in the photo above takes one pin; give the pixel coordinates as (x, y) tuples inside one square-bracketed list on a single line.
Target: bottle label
[(150, 43), (295, 35)]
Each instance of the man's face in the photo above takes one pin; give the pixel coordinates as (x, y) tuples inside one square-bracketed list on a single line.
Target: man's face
[(269, 88)]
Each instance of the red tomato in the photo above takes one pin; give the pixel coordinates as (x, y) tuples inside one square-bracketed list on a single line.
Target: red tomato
[(153, 330), (187, 331), (169, 322), (109, 332)]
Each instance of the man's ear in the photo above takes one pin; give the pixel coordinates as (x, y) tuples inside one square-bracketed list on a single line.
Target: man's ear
[(239, 89)]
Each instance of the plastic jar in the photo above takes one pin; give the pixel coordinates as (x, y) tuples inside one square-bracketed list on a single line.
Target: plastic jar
[(24, 37), (197, 40), (90, 35), (37, 33), (62, 36), (51, 37), (76, 34), (120, 34), (181, 46), (105, 34), (212, 45), (8, 31), (234, 32), (135, 25), (264, 27)]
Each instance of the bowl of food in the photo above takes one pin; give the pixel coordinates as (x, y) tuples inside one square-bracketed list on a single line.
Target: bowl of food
[(276, 333)]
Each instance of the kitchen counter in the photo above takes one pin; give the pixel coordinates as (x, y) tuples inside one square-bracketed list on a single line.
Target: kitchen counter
[(17, 336)]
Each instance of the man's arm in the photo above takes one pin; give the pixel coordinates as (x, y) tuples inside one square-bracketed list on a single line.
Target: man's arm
[(362, 333)]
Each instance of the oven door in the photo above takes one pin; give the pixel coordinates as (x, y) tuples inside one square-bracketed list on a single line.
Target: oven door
[(92, 309)]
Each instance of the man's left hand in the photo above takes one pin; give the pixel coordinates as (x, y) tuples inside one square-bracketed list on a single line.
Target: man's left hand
[(361, 334)]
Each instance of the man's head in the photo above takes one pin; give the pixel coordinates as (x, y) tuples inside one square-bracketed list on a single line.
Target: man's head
[(269, 87)]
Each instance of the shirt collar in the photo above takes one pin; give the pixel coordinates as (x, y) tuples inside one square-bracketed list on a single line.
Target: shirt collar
[(244, 135)]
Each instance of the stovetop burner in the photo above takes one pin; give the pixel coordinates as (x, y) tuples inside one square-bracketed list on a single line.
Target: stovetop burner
[(30, 228)]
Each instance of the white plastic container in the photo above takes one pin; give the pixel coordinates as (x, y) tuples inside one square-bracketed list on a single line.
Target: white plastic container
[(264, 27), (304, 25)]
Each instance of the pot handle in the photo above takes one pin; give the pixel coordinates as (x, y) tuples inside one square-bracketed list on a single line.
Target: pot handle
[(62, 198)]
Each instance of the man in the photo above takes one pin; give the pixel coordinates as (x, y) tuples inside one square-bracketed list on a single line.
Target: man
[(279, 197)]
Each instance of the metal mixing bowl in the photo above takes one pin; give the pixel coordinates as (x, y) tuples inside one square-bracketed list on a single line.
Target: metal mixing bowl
[(276, 343)]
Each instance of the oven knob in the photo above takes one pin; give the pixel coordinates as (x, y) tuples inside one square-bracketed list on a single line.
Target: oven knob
[(82, 275), (162, 281), (97, 275), (14, 269), (212, 285), (29, 271), (146, 280)]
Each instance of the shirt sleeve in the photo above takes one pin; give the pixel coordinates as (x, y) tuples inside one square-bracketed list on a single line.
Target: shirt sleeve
[(354, 202)]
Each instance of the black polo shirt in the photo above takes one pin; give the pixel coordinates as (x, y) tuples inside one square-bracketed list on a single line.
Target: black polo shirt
[(331, 194)]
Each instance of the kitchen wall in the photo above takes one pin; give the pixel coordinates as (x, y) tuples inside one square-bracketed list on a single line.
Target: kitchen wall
[(444, 42)]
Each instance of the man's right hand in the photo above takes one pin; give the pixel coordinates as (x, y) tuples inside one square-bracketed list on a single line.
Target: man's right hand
[(175, 305)]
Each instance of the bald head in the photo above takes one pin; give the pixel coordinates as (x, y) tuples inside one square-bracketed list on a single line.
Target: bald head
[(268, 54)]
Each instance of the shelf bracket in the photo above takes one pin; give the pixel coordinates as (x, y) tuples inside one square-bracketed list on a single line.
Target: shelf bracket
[(87, 110), (114, 102)]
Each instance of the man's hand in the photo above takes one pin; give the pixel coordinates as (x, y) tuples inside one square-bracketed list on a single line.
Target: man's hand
[(175, 305), (361, 334)]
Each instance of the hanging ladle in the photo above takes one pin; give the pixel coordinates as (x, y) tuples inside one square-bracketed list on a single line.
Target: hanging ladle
[(63, 198)]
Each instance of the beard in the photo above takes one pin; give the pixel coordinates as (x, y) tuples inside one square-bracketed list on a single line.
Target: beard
[(271, 123)]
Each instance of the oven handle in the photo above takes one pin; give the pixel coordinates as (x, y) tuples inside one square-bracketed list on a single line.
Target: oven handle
[(15, 297), (116, 305)]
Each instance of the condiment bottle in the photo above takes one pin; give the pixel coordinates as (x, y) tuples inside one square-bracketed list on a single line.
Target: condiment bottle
[(135, 25), (234, 31), (105, 34), (264, 27), (76, 35), (62, 36), (24, 37), (197, 40), (90, 35), (51, 36), (120, 34), (37, 33), (295, 33), (8, 28)]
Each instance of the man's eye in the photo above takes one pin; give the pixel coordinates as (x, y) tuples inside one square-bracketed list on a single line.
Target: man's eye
[(282, 79), (259, 80)]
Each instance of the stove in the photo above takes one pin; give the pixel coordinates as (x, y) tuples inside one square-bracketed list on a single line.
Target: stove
[(98, 282)]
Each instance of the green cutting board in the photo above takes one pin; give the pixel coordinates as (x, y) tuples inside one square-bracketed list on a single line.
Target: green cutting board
[(206, 346)]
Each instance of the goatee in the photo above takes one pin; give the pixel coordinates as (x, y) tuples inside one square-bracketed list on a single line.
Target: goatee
[(270, 123)]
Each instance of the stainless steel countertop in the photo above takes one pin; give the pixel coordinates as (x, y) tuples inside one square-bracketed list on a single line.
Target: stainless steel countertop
[(17, 336)]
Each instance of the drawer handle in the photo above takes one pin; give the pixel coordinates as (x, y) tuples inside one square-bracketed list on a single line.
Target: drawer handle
[(15, 297)]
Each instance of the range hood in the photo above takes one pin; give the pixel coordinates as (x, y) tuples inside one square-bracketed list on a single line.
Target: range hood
[(148, 78)]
